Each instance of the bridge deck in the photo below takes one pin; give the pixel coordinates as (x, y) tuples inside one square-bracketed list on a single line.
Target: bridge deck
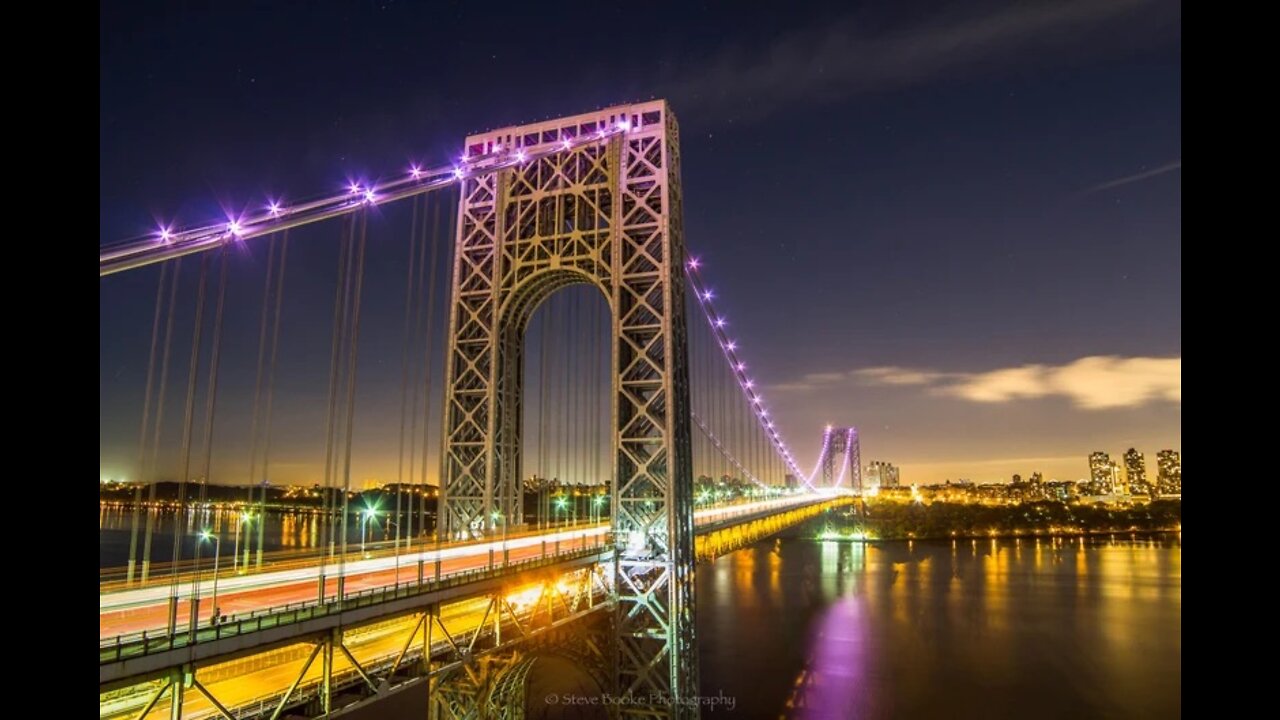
[(134, 623)]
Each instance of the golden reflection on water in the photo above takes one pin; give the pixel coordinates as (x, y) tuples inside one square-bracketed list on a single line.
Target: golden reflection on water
[(1088, 628)]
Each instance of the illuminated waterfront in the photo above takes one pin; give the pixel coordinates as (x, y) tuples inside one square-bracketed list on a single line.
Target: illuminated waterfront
[(1064, 628)]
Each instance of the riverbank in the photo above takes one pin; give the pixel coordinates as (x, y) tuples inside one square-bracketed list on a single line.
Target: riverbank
[(880, 520)]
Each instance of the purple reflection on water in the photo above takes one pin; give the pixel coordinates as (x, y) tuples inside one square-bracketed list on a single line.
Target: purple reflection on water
[(834, 684)]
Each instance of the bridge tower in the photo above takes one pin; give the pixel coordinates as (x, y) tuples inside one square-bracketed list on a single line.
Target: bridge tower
[(607, 214), (843, 443)]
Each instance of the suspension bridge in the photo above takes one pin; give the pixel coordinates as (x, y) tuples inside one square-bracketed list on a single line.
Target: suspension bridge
[(521, 339)]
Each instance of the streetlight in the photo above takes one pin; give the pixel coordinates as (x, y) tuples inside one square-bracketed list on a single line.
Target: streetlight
[(217, 552), (367, 515), (562, 503), (244, 520)]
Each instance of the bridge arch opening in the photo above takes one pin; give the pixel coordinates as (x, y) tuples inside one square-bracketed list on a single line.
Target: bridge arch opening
[(565, 402)]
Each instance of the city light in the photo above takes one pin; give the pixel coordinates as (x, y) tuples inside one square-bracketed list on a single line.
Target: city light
[(273, 207), (165, 234), (415, 172), (233, 227)]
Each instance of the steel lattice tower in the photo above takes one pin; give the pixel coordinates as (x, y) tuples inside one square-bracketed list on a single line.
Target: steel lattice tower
[(843, 440), (606, 214)]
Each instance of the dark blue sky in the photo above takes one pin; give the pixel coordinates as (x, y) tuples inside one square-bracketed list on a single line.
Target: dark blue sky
[(923, 223)]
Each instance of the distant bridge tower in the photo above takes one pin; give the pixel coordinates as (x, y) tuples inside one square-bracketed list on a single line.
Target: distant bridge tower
[(842, 457), (605, 212)]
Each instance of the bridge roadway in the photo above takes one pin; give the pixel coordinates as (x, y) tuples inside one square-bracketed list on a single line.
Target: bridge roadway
[(126, 614), (253, 684)]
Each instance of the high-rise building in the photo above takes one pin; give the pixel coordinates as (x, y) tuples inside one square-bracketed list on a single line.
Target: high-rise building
[(1169, 472), (881, 475), (1101, 477), (1135, 473)]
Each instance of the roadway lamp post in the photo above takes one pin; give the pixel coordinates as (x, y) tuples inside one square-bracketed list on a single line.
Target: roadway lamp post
[(235, 555), (366, 516), (597, 502), (217, 553)]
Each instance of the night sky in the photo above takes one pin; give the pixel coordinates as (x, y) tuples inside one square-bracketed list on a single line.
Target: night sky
[(957, 227)]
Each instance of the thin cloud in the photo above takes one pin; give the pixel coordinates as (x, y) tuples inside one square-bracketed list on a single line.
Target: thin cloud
[(899, 376), (1100, 382), (1138, 177), (856, 54), (812, 381)]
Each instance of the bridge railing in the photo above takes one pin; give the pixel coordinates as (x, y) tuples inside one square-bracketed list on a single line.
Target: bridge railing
[(131, 645)]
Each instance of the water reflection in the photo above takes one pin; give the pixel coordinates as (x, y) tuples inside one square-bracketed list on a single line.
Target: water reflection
[(291, 530), (958, 629)]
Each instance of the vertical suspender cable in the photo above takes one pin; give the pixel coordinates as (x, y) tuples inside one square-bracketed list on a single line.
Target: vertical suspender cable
[(409, 298), (440, 237), (257, 384), (335, 360), (211, 385), (353, 355), (353, 358), (543, 466), (417, 230), (155, 442), (211, 398), (193, 372), (271, 384), (142, 434)]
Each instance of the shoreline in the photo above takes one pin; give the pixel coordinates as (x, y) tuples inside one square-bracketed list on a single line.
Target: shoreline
[(994, 536)]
